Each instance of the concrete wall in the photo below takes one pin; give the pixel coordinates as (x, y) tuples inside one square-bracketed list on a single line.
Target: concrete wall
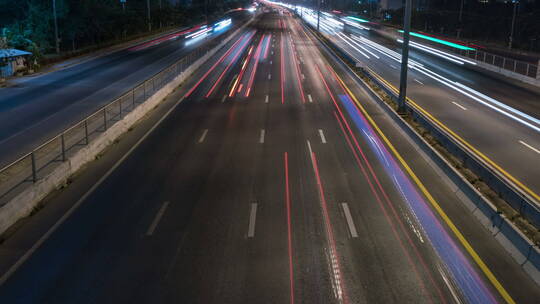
[(23, 204)]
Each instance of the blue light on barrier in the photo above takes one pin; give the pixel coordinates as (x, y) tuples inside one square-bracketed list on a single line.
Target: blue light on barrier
[(357, 19), (448, 43)]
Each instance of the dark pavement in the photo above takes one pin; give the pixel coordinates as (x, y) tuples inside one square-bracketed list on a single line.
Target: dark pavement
[(38, 109), (174, 222), (499, 118)]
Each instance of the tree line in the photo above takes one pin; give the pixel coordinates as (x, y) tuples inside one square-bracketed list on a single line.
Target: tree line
[(29, 24), (484, 22)]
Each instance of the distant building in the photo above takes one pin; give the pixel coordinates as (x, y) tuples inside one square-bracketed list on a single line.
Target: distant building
[(12, 60)]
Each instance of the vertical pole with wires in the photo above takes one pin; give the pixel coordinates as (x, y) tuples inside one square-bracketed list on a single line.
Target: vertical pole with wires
[(318, 13), (511, 39), (460, 19), (148, 15), (404, 58), (56, 39)]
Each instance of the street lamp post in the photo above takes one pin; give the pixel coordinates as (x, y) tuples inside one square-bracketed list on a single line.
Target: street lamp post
[(404, 58), (56, 39), (511, 39), (460, 19), (148, 15), (318, 13)]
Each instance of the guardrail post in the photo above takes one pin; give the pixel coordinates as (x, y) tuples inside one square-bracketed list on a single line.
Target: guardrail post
[(34, 173), (104, 119), (86, 131), (63, 142), (515, 64)]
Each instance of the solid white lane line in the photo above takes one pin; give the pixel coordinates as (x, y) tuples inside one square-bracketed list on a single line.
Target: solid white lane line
[(156, 220), (450, 287), (419, 81), (309, 147), (349, 219), (393, 67), (309, 97), (203, 136), (457, 104), (224, 97), (261, 137), (266, 99), (529, 146), (321, 134), (252, 218), (269, 76)]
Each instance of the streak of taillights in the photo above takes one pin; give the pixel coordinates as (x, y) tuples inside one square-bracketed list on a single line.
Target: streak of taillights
[(282, 68), (242, 71), (213, 67), (374, 191), (267, 45), (256, 58), (297, 69), (240, 50)]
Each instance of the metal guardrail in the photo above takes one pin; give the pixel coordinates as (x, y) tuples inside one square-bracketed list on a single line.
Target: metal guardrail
[(512, 65), (530, 253), (514, 196), (42, 160)]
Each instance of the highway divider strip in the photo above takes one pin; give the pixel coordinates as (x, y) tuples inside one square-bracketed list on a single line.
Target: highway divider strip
[(521, 200), (23, 204), (529, 254)]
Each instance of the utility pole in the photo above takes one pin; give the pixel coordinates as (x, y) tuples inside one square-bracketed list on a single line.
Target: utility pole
[(148, 15), (124, 31), (460, 19), (56, 39), (206, 11), (318, 14), (511, 40), (404, 58)]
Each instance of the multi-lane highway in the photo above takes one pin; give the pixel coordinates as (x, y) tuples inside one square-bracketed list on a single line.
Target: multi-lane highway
[(497, 118), (275, 178), (35, 110)]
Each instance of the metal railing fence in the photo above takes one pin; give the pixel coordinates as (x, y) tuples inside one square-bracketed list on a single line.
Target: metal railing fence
[(42, 160), (512, 65)]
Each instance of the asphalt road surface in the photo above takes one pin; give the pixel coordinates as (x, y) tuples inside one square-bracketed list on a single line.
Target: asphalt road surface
[(500, 119), (33, 111), (266, 184)]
